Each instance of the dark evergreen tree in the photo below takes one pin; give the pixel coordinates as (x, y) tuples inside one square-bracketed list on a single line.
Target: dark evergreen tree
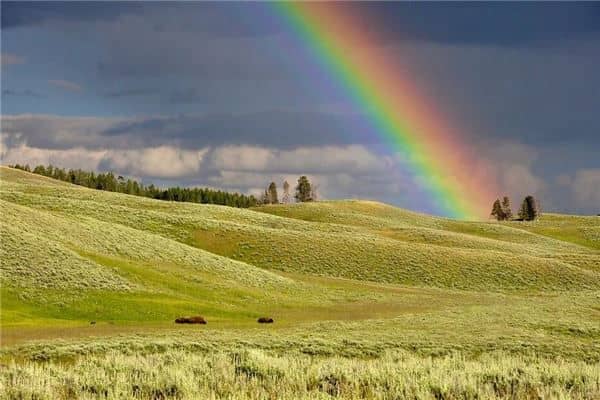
[(529, 209), (532, 208), (497, 210), (506, 209), (303, 190), (273, 198), (524, 211)]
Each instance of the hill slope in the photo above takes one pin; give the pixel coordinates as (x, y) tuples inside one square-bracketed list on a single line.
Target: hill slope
[(73, 254)]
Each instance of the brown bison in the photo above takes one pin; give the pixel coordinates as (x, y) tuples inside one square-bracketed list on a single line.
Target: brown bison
[(191, 320), (265, 320)]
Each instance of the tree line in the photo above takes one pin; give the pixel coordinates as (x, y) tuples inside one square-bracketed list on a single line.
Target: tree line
[(109, 182), (304, 192), (529, 211)]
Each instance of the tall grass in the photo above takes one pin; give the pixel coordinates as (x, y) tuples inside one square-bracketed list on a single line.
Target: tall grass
[(258, 374)]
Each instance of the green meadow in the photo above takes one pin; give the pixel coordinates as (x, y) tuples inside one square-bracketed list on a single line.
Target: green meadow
[(369, 300)]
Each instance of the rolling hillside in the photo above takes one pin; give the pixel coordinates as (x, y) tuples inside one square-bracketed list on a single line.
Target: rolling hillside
[(57, 236), (350, 279), (71, 255)]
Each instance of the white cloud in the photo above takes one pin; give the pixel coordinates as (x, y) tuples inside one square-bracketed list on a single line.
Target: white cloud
[(326, 159), (160, 162), (338, 171), (76, 157)]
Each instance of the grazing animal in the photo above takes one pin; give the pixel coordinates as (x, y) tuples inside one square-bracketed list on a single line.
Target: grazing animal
[(265, 320), (92, 322), (191, 320)]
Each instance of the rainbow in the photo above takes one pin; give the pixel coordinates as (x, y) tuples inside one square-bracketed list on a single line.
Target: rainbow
[(378, 85)]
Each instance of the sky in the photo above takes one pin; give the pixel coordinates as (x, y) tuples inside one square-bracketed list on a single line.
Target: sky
[(223, 95)]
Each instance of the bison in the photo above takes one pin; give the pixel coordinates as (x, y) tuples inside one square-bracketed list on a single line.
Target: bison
[(191, 320), (265, 320)]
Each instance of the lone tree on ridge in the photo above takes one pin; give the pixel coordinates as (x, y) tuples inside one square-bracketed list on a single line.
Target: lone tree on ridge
[(304, 190)]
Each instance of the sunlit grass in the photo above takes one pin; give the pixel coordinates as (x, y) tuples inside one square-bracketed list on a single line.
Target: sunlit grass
[(259, 374)]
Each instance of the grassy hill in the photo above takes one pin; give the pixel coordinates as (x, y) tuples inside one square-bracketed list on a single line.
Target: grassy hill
[(341, 278)]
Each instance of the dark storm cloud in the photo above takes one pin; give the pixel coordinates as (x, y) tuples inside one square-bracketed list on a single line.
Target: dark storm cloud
[(495, 23), (542, 96), (177, 53), (24, 13), (210, 18), (20, 93), (131, 93), (186, 96), (499, 23), (276, 128)]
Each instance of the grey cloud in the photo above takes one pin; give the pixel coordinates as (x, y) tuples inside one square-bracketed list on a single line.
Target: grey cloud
[(481, 23), (131, 93), (586, 189), (541, 95), (176, 52), (66, 85), (459, 22), (21, 93), (182, 48), (510, 165), (22, 13), (10, 59), (58, 132), (527, 94), (186, 96), (209, 18), (277, 128)]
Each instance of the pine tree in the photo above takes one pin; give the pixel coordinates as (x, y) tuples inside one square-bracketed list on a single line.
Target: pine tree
[(497, 211), (532, 208), (528, 211), (273, 198), (506, 210), (286, 192), (303, 190), (523, 212)]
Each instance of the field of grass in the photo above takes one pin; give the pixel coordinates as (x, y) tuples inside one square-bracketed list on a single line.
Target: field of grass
[(369, 300), (259, 374)]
